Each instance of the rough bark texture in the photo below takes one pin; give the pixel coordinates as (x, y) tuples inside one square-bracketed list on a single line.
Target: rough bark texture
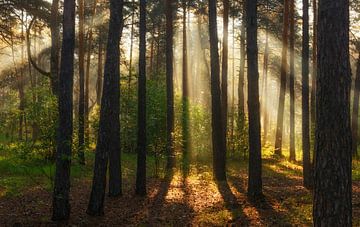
[(224, 66), (218, 136), (254, 181), (81, 48), (61, 206), (355, 111), (169, 84), (333, 184), (307, 178), (281, 105), (108, 142), (141, 142), (292, 80)]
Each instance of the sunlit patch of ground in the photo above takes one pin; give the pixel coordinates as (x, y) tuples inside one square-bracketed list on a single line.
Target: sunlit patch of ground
[(177, 200)]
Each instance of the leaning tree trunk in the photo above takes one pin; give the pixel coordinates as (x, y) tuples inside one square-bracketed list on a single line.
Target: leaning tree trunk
[(355, 112), (108, 142), (61, 206), (281, 105), (141, 142), (218, 136), (254, 181), (307, 176), (333, 184)]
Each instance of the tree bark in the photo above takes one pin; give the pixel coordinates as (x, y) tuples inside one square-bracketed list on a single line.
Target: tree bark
[(61, 206), (333, 184), (355, 112), (307, 176), (218, 136), (108, 144), (281, 105), (141, 142), (224, 66)]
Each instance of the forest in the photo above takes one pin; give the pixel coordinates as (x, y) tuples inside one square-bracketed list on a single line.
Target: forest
[(179, 113)]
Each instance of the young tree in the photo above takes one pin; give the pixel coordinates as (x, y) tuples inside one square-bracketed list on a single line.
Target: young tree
[(108, 141), (141, 142), (255, 181), (61, 206), (333, 184), (169, 84), (280, 116), (292, 80), (81, 138), (218, 135), (224, 66), (307, 178)]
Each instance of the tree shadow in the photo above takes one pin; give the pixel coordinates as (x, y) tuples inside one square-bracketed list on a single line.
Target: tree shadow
[(232, 204)]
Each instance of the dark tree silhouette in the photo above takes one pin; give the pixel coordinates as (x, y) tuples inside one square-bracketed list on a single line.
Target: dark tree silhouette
[(61, 205), (224, 66), (218, 135), (292, 80), (333, 184), (108, 141)]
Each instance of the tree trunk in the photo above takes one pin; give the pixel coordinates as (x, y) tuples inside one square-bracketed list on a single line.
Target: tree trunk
[(241, 96), (108, 144), (61, 206), (313, 76), (292, 80), (307, 176), (333, 184), (255, 180), (99, 73), (265, 84), (280, 116), (81, 137), (224, 66), (218, 136), (169, 85), (355, 112), (141, 142), (55, 47)]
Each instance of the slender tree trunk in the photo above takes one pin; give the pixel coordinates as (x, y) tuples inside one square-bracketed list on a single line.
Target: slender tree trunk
[(81, 136), (241, 96), (255, 180), (355, 112), (169, 84), (292, 80), (265, 89), (61, 206), (307, 176), (232, 139), (224, 66), (99, 73), (108, 144), (21, 87), (218, 135), (333, 184), (314, 75), (141, 142), (55, 46), (280, 116)]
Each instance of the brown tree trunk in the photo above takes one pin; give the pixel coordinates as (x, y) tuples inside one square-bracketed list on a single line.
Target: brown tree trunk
[(355, 112), (224, 66), (61, 206), (281, 105), (333, 184), (218, 135), (99, 73), (292, 80)]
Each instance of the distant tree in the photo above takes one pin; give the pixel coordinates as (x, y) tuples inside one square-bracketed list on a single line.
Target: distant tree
[(224, 65), (218, 135), (55, 46), (61, 206), (255, 180), (108, 142), (169, 84), (355, 111), (333, 184), (281, 106), (305, 98), (141, 140)]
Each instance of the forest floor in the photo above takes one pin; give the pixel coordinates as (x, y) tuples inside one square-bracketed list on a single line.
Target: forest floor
[(174, 200)]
